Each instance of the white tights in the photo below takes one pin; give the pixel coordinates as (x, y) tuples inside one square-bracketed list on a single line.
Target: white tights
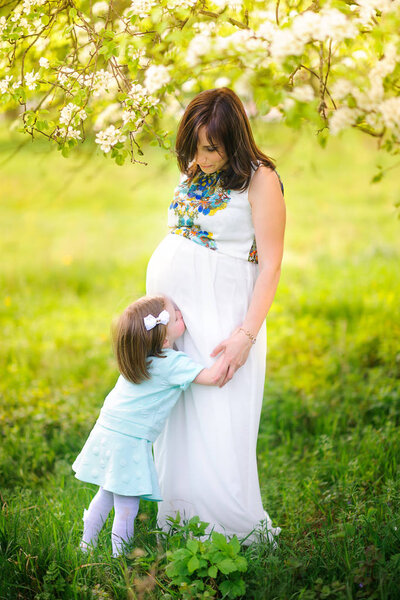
[(126, 509)]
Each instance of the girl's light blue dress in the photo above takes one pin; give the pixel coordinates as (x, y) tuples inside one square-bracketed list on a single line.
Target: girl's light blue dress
[(118, 453)]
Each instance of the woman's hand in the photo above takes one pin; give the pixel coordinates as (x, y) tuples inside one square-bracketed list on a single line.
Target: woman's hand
[(235, 350)]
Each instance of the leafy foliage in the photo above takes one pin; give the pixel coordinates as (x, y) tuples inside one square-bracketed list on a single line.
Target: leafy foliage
[(115, 69), (201, 568)]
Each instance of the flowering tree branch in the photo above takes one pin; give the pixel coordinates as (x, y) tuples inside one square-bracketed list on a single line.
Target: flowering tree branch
[(120, 71)]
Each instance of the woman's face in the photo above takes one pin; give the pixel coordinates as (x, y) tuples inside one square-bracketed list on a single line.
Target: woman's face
[(209, 158)]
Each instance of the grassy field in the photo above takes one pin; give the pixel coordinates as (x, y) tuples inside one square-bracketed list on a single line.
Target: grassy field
[(75, 237)]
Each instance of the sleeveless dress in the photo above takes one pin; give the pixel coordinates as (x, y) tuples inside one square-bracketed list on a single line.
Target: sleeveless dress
[(206, 454)]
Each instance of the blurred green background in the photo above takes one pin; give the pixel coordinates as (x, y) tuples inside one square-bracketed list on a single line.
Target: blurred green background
[(75, 239)]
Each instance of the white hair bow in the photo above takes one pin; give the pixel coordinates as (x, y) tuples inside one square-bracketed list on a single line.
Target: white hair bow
[(150, 321)]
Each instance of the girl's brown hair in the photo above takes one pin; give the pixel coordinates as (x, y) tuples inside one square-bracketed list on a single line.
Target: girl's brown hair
[(223, 115), (133, 344)]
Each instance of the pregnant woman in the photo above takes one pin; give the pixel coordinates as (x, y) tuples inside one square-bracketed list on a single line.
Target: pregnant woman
[(221, 264)]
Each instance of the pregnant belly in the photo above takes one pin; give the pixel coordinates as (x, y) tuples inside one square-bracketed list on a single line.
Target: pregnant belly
[(211, 289)]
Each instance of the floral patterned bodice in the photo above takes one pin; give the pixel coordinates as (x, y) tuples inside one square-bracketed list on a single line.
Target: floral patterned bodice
[(213, 217)]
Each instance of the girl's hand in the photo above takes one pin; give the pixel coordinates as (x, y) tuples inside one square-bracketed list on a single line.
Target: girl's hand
[(235, 350)]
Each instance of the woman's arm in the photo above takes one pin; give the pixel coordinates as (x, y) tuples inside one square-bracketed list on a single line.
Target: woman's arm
[(269, 218)]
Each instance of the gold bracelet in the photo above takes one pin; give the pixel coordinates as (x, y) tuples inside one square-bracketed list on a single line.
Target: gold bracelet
[(251, 337)]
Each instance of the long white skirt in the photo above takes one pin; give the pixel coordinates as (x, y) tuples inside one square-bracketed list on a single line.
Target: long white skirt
[(206, 455)]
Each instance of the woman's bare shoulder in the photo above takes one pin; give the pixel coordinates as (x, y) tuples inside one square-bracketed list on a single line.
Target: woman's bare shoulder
[(264, 181)]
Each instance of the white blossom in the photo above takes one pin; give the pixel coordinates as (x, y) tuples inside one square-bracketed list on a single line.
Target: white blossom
[(244, 40), (341, 88), (188, 85), (5, 83), (307, 26), (31, 79), (335, 25), (69, 133), (368, 8), (16, 14), (373, 120), (267, 30), (44, 62), (142, 8), (288, 104), (102, 82), (3, 24), (156, 77), (109, 138), (140, 55), (199, 45), (349, 62), (72, 112), (130, 116), (273, 116), (41, 44), (99, 26), (64, 74), (139, 98), (85, 52), (27, 5), (82, 36), (100, 8), (174, 4), (390, 110), (233, 4), (285, 43), (206, 27), (222, 82), (360, 55), (368, 100), (303, 93), (341, 118)]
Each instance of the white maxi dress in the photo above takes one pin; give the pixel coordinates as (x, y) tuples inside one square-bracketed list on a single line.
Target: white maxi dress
[(206, 455)]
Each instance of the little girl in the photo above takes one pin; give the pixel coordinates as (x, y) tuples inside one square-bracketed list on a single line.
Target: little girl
[(118, 453)]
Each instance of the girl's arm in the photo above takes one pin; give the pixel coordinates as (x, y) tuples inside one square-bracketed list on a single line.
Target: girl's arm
[(213, 375), (269, 217)]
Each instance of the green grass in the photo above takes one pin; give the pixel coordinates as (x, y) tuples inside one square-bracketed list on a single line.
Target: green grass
[(75, 237)]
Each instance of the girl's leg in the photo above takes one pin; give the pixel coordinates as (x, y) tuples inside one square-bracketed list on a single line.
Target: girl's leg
[(95, 516), (126, 509)]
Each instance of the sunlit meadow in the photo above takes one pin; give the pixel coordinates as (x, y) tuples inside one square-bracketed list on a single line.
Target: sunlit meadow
[(75, 239)]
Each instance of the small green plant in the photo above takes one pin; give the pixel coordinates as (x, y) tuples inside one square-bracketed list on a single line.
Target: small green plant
[(53, 583), (209, 568)]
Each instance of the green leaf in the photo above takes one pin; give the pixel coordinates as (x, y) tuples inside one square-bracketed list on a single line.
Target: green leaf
[(212, 571), (193, 564), (241, 563), (235, 544), (192, 545), (72, 13), (219, 540), (227, 566), (377, 177), (42, 125), (108, 34), (233, 589)]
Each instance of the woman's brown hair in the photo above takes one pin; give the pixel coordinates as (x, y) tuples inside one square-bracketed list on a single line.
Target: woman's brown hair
[(133, 344), (223, 115)]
